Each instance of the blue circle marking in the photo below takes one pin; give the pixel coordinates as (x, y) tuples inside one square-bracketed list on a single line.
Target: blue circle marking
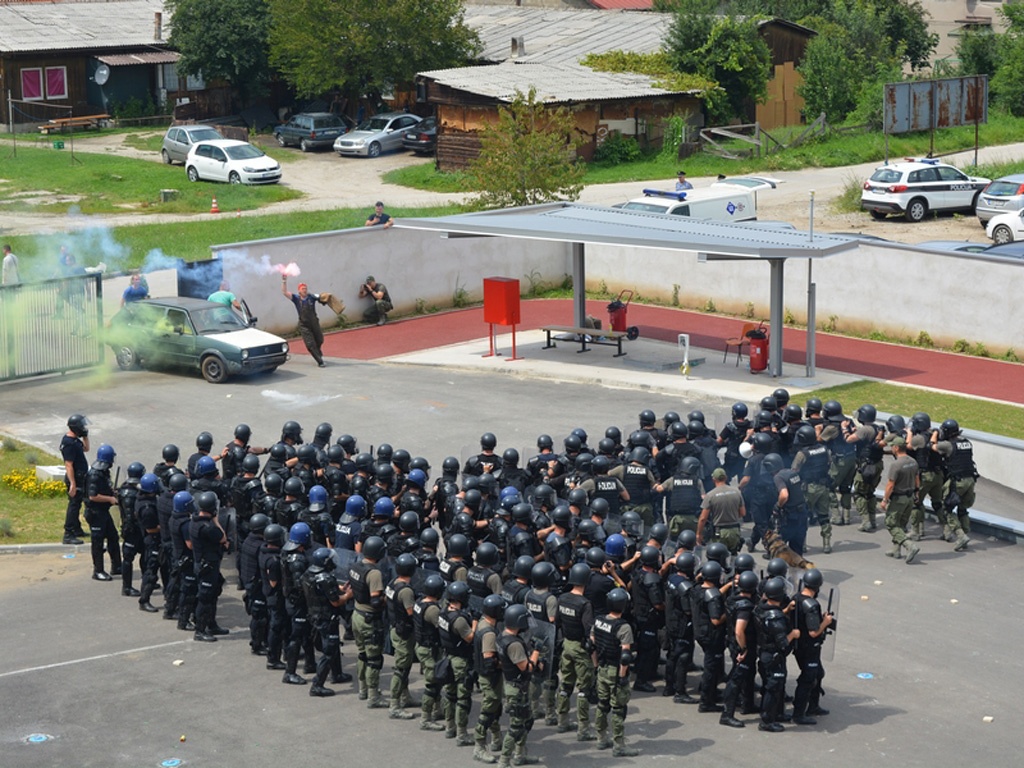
[(69, 556), (171, 763), (731, 208), (38, 738), (865, 675)]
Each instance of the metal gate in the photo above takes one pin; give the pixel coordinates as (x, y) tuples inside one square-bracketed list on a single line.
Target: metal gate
[(52, 326)]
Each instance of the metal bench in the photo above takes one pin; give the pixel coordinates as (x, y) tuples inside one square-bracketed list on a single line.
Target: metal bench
[(584, 337)]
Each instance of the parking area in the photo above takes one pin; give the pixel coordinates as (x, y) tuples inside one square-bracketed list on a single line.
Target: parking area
[(924, 655)]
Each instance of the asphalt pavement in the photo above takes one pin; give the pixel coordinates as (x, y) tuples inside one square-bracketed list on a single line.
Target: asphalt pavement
[(925, 653)]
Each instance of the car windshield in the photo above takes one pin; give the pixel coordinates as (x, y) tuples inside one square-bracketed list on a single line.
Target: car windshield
[(204, 134), (886, 175), (1004, 188), (216, 320), (374, 124), (243, 152), (648, 207)]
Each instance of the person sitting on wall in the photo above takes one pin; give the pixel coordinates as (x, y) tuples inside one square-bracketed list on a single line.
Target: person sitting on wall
[(378, 218)]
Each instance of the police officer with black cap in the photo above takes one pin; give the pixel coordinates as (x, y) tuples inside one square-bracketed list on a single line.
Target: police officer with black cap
[(148, 519), (184, 562)]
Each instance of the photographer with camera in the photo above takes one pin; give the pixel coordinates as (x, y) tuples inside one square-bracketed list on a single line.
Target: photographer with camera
[(378, 313), (813, 628)]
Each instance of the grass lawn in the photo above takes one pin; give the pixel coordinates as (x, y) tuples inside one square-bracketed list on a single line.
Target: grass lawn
[(25, 519), (192, 240), (972, 413), (48, 180)]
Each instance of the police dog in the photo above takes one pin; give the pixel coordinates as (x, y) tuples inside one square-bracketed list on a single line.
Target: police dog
[(776, 547)]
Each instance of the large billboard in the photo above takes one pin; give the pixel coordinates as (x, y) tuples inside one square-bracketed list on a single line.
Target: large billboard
[(924, 105)]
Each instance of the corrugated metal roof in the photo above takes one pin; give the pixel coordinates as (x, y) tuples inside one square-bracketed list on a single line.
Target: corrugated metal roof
[(564, 36), (554, 83), (145, 57), (628, 5), (597, 225), (80, 25)]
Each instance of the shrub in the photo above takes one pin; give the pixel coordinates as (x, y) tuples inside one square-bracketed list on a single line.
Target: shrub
[(616, 149)]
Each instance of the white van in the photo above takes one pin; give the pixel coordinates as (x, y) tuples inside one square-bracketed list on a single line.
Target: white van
[(726, 200)]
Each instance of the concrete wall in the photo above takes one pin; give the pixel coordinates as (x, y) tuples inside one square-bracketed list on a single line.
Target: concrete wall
[(899, 290), (414, 265)]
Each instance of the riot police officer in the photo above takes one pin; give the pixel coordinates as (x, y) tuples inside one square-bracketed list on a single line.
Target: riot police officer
[(870, 449), (270, 574), (812, 461), (426, 614), (542, 604), (790, 509), (131, 535), (487, 667), (457, 628), (324, 597), (99, 496), (368, 622), (208, 544), (813, 628), (649, 612), (709, 619), (518, 665), (613, 642), (684, 496), (252, 580), (170, 574), (73, 447), (742, 640), (184, 563), (679, 627), (575, 623), (401, 597), (961, 475), (149, 528), (774, 642), (294, 562)]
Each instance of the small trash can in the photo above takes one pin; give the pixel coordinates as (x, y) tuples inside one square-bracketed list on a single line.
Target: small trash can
[(617, 316), (758, 349)]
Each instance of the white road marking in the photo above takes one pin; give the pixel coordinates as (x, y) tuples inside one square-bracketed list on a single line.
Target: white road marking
[(90, 658)]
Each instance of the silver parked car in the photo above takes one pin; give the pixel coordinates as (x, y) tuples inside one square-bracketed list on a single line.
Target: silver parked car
[(378, 134), (1004, 195), (179, 140)]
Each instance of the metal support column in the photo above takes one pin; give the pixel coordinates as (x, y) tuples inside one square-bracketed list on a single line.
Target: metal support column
[(579, 285), (775, 318)]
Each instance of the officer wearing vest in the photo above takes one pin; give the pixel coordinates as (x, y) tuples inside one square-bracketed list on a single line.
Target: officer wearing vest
[(732, 436), (742, 639), (131, 535), (613, 643), (348, 532), (518, 666), (790, 506), (558, 548), (170, 572), (575, 623), (640, 484), (812, 461), (401, 597), (685, 493), (246, 493), (255, 601), (368, 621), (487, 667), (482, 578), (679, 627), (649, 612), (270, 571), (294, 562), (522, 541), (542, 605), (149, 526), (930, 469), (208, 544), (426, 613), (456, 628), (870, 450), (181, 543), (813, 627), (516, 586), (709, 619), (607, 487), (324, 597), (774, 642), (839, 434), (99, 497), (961, 476)]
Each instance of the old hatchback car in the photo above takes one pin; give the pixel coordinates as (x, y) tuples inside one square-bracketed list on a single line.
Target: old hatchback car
[(310, 130), (179, 140), (915, 187), (193, 334), (378, 134), (1004, 195), (236, 162)]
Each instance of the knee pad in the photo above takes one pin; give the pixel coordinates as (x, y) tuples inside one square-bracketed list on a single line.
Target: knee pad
[(604, 706), (375, 662), (362, 657), (619, 712)]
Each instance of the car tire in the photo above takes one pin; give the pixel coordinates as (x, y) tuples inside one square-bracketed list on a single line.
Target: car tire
[(374, 149), (917, 209), (281, 141), (234, 178), (193, 174), (166, 157), (878, 215), (213, 369), (304, 145), (1002, 234), (127, 359), (974, 202)]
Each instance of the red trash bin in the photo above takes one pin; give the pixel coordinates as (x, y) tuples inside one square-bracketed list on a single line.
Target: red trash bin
[(617, 316), (758, 349)]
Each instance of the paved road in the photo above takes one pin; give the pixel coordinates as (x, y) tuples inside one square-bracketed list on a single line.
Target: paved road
[(82, 664)]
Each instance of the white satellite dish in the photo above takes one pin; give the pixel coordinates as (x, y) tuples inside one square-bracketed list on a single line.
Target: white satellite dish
[(102, 74)]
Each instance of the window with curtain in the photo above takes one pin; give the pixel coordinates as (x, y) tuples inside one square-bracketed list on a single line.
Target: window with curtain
[(56, 82), (32, 84)]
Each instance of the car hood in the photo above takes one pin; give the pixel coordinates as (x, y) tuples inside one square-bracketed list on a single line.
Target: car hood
[(361, 135), (245, 339)]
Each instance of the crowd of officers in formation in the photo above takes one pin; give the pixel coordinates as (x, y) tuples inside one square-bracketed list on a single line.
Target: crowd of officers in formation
[(533, 583)]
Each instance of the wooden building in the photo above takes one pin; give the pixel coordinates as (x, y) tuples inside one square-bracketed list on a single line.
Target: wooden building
[(468, 99), (788, 43)]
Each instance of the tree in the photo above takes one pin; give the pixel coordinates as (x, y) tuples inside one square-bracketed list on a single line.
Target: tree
[(1008, 81), (225, 40), (830, 78), (978, 52), (529, 156), (365, 46)]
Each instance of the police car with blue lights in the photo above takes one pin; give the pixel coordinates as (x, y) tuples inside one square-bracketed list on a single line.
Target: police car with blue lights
[(730, 200), (917, 186)]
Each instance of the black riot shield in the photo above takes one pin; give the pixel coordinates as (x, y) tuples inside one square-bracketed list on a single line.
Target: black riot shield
[(541, 634)]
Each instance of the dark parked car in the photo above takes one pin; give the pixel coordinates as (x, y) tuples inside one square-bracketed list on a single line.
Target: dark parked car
[(193, 334), (423, 138), (310, 130)]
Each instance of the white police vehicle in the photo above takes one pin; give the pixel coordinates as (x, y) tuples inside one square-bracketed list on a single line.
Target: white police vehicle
[(914, 187), (727, 203)]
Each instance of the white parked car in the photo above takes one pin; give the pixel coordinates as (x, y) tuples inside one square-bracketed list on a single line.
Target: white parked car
[(236, 162), (915, 187), (1006, 227)]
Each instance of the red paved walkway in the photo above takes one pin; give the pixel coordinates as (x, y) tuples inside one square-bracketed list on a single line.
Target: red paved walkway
[(940, 370)]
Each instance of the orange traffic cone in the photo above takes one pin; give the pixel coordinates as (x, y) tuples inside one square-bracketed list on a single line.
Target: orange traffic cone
[(214, 208), (238, 215)]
